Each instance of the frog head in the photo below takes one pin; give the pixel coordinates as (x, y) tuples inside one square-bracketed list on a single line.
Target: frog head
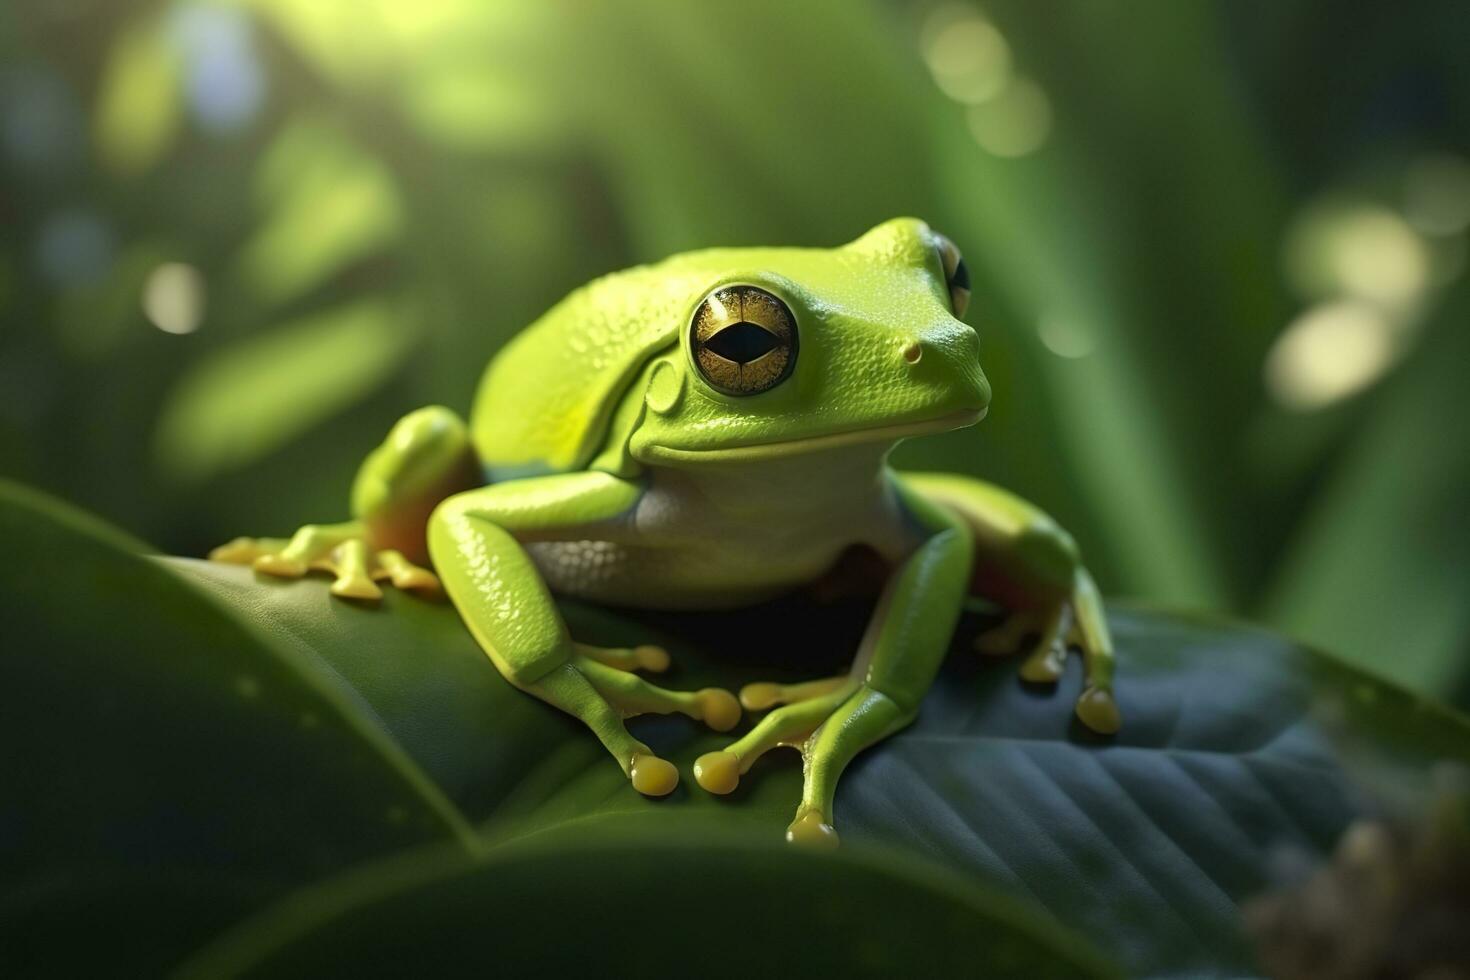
[(785, 351)]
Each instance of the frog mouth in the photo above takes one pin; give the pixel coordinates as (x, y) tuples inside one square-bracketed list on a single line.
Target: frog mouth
[(811, 444)]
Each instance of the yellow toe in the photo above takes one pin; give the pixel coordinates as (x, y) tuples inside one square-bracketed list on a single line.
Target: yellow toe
[(653, 776), (759, 697), (1045, 668), (718, 708), (810, 830), (241, 551), (415, 578), (357, 587), (717, 772), (1099, 711), (276, 565), (651, 658)]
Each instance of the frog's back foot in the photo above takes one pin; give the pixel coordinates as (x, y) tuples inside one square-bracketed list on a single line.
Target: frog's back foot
[(339, 549)]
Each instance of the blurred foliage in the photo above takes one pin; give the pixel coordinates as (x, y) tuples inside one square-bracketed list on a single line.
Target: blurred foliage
[(1218, 252)]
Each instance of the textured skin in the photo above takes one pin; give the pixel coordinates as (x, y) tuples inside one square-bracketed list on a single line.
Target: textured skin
[(547, 400), (622, 475)]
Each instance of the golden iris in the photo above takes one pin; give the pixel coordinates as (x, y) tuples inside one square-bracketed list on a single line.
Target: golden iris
[(743, 339), (956, 275)]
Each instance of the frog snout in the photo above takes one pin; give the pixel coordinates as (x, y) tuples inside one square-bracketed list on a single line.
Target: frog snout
[(948, 355)]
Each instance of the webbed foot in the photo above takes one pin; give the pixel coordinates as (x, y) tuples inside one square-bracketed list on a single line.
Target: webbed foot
[(1046, 657), (341, 549), (829, 722), (802, 709), (598, 686)]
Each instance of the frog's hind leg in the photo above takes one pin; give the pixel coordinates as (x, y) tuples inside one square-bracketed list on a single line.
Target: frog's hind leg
[(425, 458), (1048, 652), (1032, 566)]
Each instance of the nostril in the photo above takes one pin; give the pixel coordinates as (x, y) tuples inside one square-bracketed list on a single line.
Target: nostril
[(913, 352)]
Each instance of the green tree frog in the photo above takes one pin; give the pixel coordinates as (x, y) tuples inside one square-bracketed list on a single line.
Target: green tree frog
[(706, 432)]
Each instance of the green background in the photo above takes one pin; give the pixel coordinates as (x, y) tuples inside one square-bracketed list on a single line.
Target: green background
[(1150, 195)]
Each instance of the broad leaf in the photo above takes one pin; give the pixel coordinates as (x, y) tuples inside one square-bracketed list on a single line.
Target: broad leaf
[(658, 901), (1227, 766), (165, 769), (1231, 764)]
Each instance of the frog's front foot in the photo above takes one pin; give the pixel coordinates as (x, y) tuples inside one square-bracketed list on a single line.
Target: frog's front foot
[(342, 549), (597, 685), (1046, 657), (800, 709)]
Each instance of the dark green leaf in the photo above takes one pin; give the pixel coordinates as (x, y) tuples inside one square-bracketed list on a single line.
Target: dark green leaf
[(660, 901), (165, 769), (1228, 766)]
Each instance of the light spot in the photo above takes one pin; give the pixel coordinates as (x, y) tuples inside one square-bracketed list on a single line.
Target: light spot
[(1437, 194), (247, 687), (173, 298), (1065, 336), (968, 57), (309, 719), (1358, 249), (1330, 352), (1015, 123), (396, 815), (224, 82)]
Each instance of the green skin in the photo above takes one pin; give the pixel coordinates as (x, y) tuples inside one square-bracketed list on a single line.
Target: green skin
[(621, 475)]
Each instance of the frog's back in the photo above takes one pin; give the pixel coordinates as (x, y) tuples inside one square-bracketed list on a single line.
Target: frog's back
[(546, 400)]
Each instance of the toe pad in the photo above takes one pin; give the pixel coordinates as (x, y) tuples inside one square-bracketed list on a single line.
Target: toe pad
[(760, 696), (652, 658), (718, 708), (810, 830), (717, 772), (653, 776), (276, 565), (1098, 711)]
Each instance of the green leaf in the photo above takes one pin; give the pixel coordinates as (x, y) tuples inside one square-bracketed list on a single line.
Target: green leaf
[(1239, 756), (1227, 767), (646, 904), (328, 203), (252, 397), (166, 770)]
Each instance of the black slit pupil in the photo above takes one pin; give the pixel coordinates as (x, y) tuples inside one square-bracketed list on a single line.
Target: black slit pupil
[(961, 277), (742, 342)]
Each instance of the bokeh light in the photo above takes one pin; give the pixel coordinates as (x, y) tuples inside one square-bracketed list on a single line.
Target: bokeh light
[(74, 247), (1358, 249), (1328, 353), (1437, 194), (1016, 123), (174, 298), (966, 54), (1064, 336)]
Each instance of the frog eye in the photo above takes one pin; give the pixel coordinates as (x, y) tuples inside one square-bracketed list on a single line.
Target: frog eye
[(956, 275), (743, 340)]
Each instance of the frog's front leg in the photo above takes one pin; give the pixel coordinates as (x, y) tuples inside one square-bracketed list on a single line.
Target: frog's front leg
[(1028, 563), (426, 457), (832, 720), (474, 538)]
